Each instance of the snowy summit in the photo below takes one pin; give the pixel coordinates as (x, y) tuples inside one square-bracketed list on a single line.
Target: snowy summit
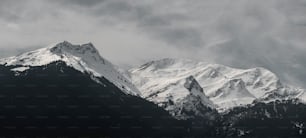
[(84, 58)]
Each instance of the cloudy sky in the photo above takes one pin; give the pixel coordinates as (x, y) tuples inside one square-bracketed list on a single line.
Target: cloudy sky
[(238, 33)]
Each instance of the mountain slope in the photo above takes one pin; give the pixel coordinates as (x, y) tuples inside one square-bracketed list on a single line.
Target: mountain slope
[(84, 58), (177, 95), (55, 100), (225, 86), (231, 94), (285, 118)]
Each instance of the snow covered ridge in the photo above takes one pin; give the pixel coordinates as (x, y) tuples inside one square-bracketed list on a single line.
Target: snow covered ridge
[(84, 58), (226, 87)]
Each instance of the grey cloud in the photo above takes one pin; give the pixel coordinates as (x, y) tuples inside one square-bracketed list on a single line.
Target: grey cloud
[(75, 4), (6, 12), (88, 3), (26, 11), (240, 33), (160, 26)]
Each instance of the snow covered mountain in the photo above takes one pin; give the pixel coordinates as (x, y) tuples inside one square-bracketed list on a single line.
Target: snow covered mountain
[(226, 87), (78, 91), (84, 58)]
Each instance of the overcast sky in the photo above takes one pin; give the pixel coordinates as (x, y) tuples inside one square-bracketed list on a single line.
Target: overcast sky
[(238, 33)]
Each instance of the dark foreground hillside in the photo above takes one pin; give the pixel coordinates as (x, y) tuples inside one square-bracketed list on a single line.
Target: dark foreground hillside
[(56, 100), (275, 119)]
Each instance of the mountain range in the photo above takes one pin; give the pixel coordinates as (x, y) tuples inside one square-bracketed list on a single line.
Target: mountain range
[(223, 87), (67, 89)]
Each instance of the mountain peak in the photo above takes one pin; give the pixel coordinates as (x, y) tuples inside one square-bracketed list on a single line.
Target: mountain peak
[(67, 47), (84, 58), (195, 89), (60, 51), (191, 83), (170, 63), (61, 45)]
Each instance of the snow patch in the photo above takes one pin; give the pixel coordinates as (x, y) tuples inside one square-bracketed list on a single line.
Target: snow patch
[(20, 69)]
